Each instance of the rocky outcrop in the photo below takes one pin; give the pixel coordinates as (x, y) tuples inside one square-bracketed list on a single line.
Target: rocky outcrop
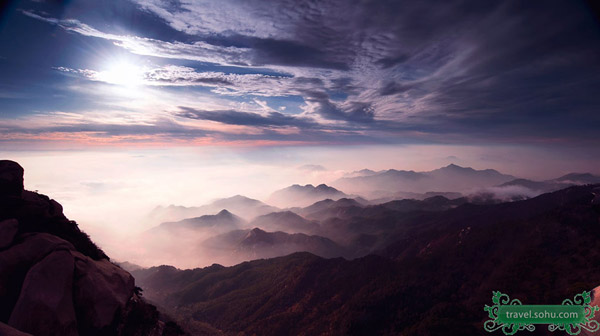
[(11, 178), (54, 280), (38, 213), (114, 287)]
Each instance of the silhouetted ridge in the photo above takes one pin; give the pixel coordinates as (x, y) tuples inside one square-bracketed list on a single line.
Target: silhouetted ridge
[(256, 236), (534, 185), (579, 177), (222, 220), (287, 221), (243, 206), (38, 213), (297, 195), (53, 278), (398, 184)]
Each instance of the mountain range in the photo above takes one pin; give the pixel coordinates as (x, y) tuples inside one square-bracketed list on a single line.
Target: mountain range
[(356, 225), (451, 178), (287, 221), (221, 222), (241, 245), (554, 184), (246, 207), (327, 228), (301, 196), (432, 278)]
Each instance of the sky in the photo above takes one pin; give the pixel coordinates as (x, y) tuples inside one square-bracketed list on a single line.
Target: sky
[(256, 73), (134, 102)]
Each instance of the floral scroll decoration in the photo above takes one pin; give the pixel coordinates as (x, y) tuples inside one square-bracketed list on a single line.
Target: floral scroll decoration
[(584, 300), (499, 299), (492, 325)]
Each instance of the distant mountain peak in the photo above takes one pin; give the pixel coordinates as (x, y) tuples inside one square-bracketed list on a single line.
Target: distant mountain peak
[(459, 169), (578, 177), (256, 236), (223, 219), (297, 195), (282, 214), (224, 213), (237, 199), (256, 231), (287, 221), (324, 187), (455, 167), (359, 173), (451, 178), (366, 171)]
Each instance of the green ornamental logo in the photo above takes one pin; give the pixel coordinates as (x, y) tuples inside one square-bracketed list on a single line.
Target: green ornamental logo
[(512, 316)]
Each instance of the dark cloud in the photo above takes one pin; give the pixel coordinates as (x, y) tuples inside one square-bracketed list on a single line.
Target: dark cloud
[(212, 81), (308, 81), (231, 117), (161, 128), (388, 62), (392, 88), (273, 51), (359, 112), (291, 53)]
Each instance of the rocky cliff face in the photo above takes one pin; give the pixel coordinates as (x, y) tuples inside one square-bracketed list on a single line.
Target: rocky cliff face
[(54, 280)]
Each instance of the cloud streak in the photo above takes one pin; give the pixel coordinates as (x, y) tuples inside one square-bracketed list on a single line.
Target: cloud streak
[(231, 117)]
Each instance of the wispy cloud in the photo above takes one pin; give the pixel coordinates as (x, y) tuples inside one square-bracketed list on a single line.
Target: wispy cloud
[(197, 51)]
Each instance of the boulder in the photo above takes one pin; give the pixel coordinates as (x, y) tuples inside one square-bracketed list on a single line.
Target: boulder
[(45, 305), (8, 230), (30, 249), (11, 178), (101, 292), (15, 262)]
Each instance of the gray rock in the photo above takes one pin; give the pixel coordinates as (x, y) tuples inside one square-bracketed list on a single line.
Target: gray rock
[(45, 305), (8, 230)]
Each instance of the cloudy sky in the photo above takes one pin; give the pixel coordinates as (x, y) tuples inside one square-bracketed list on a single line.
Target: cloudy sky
[(258, 73)]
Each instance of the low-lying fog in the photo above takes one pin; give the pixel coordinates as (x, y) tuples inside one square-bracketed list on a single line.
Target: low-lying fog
[(114, 195)]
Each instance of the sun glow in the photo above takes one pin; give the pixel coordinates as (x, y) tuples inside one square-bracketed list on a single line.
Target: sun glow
[(122, 73)]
